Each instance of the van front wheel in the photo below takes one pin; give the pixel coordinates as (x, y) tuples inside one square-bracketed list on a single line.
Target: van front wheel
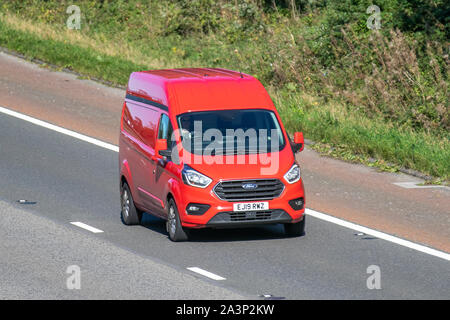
[(295, 229), (174, 227)]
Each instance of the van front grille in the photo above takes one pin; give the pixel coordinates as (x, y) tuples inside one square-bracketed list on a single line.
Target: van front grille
[(232, 218), (250, 216), (243, 190)]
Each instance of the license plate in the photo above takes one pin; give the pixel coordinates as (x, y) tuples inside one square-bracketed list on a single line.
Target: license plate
[(250, 206)]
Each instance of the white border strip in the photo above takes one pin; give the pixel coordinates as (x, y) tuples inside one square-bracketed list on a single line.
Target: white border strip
[(313, 213), (87, 227), (206, 273), (415, 185), (378, 234), (50, 126)]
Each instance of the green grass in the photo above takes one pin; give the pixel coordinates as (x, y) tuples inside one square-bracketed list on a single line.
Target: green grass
[(66, 55), (110, 49), (375, 142)]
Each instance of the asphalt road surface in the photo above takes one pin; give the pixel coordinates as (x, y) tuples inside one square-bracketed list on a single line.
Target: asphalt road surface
[(67, 180), (74, 181)]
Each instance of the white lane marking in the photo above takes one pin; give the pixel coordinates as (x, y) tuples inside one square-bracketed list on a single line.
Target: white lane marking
[(310, 212), (206, 273), (378, 234), (414, 185), (59, 129), (87, 227)]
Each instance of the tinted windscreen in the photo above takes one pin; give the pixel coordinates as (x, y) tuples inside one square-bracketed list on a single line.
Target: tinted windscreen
[(231, 132)]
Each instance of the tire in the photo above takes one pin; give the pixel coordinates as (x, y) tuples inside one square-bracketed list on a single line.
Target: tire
[(295, 229), (174, 228), (130, 215)]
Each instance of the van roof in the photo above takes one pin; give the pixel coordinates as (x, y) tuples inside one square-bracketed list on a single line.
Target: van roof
[(198, 89), (186, 73)]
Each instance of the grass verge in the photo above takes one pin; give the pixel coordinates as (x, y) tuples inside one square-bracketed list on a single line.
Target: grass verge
[(352, 136), (340, 132)]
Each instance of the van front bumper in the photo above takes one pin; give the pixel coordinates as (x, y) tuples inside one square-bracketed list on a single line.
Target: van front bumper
[(234, 219), (221, 213)]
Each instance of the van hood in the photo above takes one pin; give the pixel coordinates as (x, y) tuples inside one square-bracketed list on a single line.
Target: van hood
[(265, 166)]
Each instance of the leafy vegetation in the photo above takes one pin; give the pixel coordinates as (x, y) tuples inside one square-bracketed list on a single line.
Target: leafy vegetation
[(379, 94)]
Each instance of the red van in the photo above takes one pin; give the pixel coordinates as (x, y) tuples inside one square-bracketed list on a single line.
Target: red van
[(205, 148)]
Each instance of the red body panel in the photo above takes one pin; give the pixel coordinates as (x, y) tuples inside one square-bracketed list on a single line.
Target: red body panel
[(173, 92)]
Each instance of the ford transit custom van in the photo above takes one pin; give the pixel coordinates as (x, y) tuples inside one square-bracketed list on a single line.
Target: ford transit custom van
[(206, 148)]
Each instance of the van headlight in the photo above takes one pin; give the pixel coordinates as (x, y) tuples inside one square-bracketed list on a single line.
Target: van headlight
[(194, 178), (293, 175)]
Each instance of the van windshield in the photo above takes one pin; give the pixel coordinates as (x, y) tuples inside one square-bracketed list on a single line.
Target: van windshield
[(230, 132)]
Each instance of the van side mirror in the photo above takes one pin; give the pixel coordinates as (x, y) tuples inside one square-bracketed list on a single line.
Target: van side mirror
[(299, 142), (160, 148)]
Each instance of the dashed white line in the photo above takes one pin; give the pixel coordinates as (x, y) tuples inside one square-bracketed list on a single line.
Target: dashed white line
[(316, 214), (378, 234), (87, 227), (206, 273)]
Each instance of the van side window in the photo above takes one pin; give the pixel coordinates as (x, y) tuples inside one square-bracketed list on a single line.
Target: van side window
[(165, 129), (141, 123)]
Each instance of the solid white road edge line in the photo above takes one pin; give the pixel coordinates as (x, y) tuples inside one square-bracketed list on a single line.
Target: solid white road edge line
[(378, 234), (206, 273), (313, 213), (50, 126)]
